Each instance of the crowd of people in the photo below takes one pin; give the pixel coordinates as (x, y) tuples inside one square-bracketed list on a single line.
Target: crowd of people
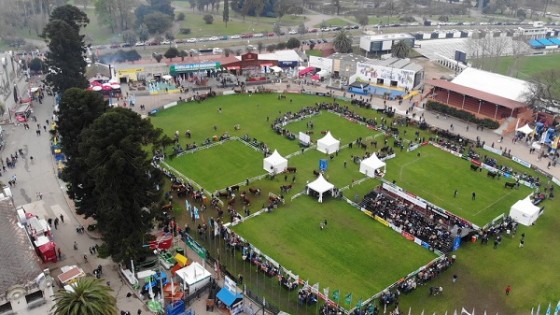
[(406, 216)]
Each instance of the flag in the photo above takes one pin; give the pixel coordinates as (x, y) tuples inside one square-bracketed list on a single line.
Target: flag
[(196, 216), (336, 295), (348, 298), (359, 303), (306, 283), (548, 310), (539, 310), (326, 292), (316, 287), (187, 205), (557, 309)]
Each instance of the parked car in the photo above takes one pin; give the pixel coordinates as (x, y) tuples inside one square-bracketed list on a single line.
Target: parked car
[(191, 40), (138, 44), (336, 28), (325, 29), (235, 37), (247, 35), (270, 34), (166, 42), (217, 51), (258, 35), (179, 41), (224, 37), (292, 32), (203, 39), (213, 38), (313, 30)]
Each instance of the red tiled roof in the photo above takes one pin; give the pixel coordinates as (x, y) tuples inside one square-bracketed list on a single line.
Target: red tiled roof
[(474, 93)]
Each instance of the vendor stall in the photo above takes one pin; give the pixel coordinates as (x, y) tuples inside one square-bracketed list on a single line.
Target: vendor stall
[(231, 301)]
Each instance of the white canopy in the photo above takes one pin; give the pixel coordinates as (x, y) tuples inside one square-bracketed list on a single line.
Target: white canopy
[(275, 163), (193, 275), (525, 212), (369, 165), (525, 129), (320, 185), (167, 77), (276, 69), (328, 144)]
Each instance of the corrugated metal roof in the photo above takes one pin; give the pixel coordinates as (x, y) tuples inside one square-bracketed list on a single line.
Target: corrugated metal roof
[(18, 261)]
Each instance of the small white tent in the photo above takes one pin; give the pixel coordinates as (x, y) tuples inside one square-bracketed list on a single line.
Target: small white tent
[(275, 163), (328, 144), (193, 277), (525, 212), (525, 129), (320, 185), (369, 165)]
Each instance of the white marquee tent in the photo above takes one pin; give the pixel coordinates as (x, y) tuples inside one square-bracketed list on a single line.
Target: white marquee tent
[(369, 165), (328, 144), (320, 185), (525, 212), (275, 163), (525, 129)]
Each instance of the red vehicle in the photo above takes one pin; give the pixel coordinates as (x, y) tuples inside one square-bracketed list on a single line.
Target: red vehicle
[(271, 34), (247, 35)]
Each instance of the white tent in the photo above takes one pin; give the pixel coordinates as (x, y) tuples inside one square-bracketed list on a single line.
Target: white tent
[(525, 129), (320, 185), (276, 69), (525, 212), (369, 165), (275, 163), (328, 144), (193, 277)]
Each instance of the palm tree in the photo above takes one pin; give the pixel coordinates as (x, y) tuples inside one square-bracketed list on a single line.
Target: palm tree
[(343, 42), (400, 49), (89, 297)]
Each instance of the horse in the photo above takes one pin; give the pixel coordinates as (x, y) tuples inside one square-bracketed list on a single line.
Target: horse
[(255, 191), (246, 201), (291, 169), (324, 132), (510, 185), (234, 188), (492, 174), (285, 188), (167, 207), (474, 167), (223, 194)]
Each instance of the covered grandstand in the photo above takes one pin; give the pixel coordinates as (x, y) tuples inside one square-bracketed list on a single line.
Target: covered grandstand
[(485, 94), (545, 43)]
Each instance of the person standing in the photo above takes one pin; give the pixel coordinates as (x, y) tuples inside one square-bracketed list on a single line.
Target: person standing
[(508, 289), (473, 196), (455, 193), (61, 218)]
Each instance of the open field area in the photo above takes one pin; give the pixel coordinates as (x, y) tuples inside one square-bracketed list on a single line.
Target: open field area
[(526, 66), (436, 174), (218, 167), (334, 256), (483, 272)]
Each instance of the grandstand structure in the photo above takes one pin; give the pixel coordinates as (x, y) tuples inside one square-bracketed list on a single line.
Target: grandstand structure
[(482, 93), (545, 43)]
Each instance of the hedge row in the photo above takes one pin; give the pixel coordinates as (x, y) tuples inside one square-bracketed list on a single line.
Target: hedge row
[(461, 114)]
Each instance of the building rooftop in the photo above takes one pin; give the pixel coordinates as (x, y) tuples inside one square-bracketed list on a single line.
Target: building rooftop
[(20, 264), (348, 57), (388, 36), (493, 83)]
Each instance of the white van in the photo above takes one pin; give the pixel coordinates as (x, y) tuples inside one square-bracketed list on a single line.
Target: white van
[(217, 51)]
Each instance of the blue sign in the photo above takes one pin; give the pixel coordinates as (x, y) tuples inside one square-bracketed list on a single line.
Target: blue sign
[(287, 63), (456, 243), (194, 67), (323, 164)]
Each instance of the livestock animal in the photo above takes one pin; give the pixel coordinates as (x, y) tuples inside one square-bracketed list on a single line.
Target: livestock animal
[(474, 167), (285, 188), (291, 169), (255, 191), (511, 185), (234, 188), (492, 174)]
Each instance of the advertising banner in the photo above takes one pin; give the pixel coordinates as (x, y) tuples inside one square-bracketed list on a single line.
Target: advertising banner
[(371, 73)]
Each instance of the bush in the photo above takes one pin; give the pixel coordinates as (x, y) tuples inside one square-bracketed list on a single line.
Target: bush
[(271, 48), (293, 43), (185, 30), (461, 114), (181, 16), (407, 19), (208, 19), (281, 46)]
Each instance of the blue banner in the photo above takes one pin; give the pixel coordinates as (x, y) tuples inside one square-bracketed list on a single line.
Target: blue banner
[(323, 164), (456, 243)]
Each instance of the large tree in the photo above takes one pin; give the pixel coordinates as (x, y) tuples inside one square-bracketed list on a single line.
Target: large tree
[(400, 49), (125, 184), (343, 42), (65, 57), (225, 15), (89, 296), (157, 22), (77, 110)]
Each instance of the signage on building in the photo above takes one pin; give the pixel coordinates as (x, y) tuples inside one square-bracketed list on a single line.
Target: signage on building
[(249, 57), (285, 64), (387, 75), (194, 67), (133, 71)]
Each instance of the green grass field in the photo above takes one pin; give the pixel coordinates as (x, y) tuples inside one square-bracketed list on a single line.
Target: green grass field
[(436, 174), (334, 256), (527, 65), (483, 271), (220, 166)]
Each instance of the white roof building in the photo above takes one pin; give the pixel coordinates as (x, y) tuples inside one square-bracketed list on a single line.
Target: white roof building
[(493, 83)]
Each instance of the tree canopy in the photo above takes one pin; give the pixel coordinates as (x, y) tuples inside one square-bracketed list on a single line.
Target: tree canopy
[(343, 42), (400, 49), (90, 296), (65, 57), (121, 185), (157, 22), (160, 6)]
